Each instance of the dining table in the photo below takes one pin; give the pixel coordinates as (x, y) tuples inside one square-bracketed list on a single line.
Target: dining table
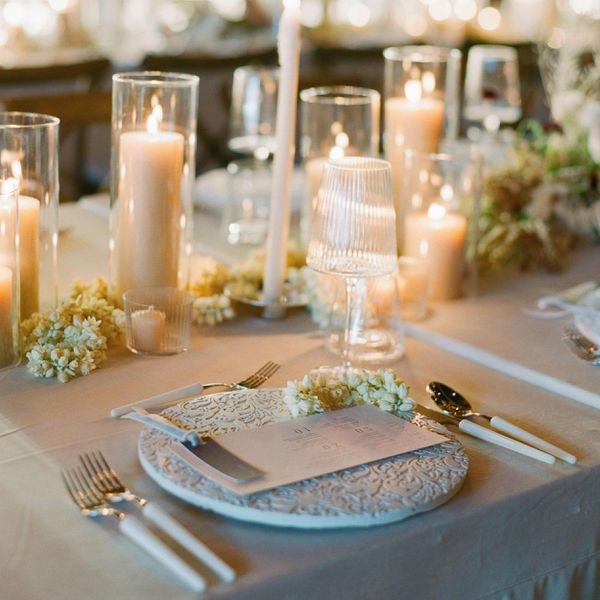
[(517, 529)]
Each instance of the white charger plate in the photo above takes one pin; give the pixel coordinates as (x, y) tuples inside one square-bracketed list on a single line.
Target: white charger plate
[(590, 326), (374, 494)]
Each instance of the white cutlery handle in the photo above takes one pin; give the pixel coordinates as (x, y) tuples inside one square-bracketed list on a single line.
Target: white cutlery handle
[(161, 424), (145, 539), (180, 534), (507, 427), (483, 433), (172, 396)]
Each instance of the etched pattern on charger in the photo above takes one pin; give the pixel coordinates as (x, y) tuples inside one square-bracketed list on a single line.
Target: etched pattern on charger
[(376, 493)]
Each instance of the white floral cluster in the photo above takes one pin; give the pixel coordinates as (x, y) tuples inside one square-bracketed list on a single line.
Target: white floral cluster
[(328, 388), (211, 310), (211, 305), (72, 340)]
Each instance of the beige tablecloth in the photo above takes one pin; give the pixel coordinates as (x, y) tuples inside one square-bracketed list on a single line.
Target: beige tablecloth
[(519, 529)]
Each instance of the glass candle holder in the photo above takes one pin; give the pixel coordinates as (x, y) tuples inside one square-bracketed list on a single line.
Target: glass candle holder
[(157, 320), (9, 274), (152, 173), (29, 153), (441, 191), (413, 282), (422, 94), (336, 121)]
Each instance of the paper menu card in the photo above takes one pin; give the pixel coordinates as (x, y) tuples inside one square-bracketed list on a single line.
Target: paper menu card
[(290, 451)]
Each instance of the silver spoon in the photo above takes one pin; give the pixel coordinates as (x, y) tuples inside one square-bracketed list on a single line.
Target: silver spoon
[(455, 405), (580, 346)]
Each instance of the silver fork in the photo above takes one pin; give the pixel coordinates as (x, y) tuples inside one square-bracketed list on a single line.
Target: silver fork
[(108, 484), (581, 346), (92, 504), (253, 381)]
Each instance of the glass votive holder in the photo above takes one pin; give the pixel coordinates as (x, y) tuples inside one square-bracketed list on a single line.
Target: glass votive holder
[(152, 172), (376, 332), (422, 95), (9, 275), (412, 287), (336, 121), (441, 196), (29, 153), (246, 216), (157, 320)]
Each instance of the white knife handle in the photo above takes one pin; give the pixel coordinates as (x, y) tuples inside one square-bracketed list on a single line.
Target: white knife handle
[(507, 427), (172, 396), (145, 539), (180, 534), (161, 424), (483, 433)]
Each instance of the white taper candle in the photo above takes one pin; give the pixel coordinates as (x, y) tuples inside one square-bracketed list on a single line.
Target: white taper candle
[(279, 222)]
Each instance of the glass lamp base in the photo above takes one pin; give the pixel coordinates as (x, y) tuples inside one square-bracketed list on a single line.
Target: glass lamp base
[(373, 346)]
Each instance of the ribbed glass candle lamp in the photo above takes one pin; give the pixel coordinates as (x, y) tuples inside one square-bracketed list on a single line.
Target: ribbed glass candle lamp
[(353, 233)]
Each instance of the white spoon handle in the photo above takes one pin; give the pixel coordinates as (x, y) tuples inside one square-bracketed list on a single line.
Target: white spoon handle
[(487, 435), (507, 427)]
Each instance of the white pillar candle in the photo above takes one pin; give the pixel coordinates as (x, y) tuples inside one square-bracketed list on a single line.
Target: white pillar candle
[(150, 172), (413, 123), (29, 255), (279, 222), (148, 329), (6, 333), (439, 237)]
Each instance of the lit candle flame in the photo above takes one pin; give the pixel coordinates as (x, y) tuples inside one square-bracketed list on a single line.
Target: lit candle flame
[(154, 119), (413, 90), (428, 82), (436, 212)]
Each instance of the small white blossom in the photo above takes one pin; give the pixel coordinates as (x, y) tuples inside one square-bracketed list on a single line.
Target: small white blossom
[(333, 388)]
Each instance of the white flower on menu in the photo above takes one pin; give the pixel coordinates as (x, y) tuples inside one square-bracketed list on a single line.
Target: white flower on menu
[(333, 388)]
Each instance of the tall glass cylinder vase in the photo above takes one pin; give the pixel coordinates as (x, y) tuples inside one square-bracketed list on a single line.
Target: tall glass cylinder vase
[(422, 94), (9, 274), (336, 121), (152, 173), (442, 213), (29, 153)]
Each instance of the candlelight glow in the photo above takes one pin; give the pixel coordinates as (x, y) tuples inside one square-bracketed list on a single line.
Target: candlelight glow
[(436, 212), (413, 90), (489, 18), (428, 80)]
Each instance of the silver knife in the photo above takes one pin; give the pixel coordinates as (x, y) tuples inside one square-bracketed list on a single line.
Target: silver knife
[(222, 460), (205, 449), (487, 435)]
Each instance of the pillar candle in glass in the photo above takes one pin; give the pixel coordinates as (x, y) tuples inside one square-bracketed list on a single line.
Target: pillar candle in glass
[(9, 274), (440, 190), (29, 153), (421, 106), (153, 168), (336, 121)]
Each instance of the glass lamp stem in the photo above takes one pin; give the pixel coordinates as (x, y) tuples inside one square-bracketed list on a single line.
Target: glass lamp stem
[(355, 297)]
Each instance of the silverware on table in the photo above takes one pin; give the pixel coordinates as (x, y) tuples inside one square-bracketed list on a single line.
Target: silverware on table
[(581, 346), (104, 478), (253, 381), (453, 404), (91, 503)]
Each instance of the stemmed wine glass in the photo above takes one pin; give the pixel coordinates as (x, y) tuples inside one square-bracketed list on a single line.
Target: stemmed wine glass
[(492, 89), (253, 111), (252, 133), (353, 233)]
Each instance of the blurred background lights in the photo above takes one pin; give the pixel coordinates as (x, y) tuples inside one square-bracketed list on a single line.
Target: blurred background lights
[(489, 18)]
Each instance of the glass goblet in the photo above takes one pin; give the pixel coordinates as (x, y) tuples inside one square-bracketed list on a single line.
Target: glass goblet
[(353, 233)]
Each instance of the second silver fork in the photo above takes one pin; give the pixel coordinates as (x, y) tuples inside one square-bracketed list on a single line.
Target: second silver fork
[(106, 481)]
